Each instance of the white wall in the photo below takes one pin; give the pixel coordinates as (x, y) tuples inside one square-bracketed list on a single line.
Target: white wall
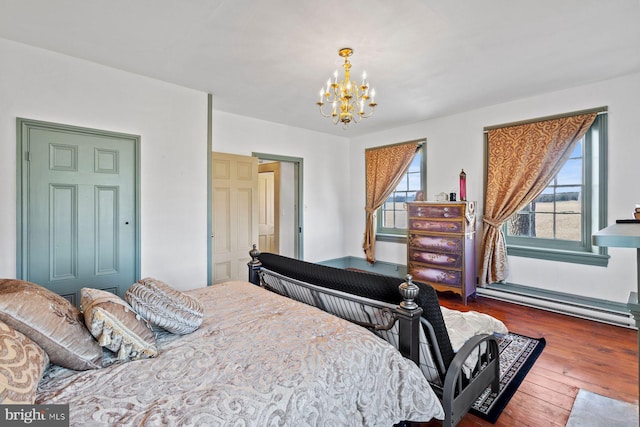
[(325, 175), (172, 122), (456, 142)]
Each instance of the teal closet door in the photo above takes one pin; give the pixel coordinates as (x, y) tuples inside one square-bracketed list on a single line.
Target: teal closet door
[(81, 211)]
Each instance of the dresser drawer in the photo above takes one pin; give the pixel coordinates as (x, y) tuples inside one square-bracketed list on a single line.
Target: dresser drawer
[(440, 276), (437, 226), (436, 243), (449, 260), (435, 211)]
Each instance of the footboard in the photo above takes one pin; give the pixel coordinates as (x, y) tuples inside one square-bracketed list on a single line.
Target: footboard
[(460, 390), (458, 380)]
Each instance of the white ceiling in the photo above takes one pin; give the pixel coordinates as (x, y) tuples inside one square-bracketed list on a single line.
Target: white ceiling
[(268, 59)]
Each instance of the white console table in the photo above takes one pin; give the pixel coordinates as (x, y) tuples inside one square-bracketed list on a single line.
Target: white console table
[(625, 236)]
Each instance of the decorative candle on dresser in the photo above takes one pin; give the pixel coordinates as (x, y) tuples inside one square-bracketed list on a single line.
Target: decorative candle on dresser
[(441, 245)]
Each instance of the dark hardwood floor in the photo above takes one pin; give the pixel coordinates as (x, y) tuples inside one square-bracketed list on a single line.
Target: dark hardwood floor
[(580, 353)]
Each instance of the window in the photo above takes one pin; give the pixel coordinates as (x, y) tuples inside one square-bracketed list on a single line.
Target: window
[(558, 224), (392, 215)]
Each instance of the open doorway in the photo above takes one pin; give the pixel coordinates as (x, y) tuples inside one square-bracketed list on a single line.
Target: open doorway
[(280, 224)]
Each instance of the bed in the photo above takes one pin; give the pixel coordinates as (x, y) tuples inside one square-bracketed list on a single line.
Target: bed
[(256, 359), (456, 352)]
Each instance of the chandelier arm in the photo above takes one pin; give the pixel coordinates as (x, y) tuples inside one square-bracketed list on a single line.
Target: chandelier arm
[(322, 111), (331, 100)]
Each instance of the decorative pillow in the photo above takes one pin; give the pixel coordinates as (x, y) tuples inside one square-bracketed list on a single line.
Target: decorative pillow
[(22, 363), (50, 321), (116, 326), (164, 306)]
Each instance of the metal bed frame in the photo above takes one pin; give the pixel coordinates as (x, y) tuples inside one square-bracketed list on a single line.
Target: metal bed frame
[(404, 327)]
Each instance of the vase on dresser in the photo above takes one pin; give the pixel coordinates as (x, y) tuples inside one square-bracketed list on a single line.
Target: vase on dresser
[(441, 245)]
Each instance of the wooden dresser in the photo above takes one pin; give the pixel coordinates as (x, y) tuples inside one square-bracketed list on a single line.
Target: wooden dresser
[(441, 245)]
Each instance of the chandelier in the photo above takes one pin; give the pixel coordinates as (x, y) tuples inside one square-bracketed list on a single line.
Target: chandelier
[(349, 101)]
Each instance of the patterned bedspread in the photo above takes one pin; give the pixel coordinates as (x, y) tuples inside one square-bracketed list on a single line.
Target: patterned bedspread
[(258, 359)]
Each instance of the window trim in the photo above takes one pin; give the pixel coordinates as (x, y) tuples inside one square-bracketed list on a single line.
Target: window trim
[(398, 235), (583, 252)]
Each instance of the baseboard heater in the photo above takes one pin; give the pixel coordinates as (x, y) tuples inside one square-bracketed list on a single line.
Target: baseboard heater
[(586, 308)]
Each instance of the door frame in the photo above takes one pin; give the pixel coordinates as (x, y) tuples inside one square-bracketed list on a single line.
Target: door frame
[(297, 167), (23, 127)]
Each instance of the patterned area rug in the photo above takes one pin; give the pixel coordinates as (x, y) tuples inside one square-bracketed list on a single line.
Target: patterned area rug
[(517, 355)]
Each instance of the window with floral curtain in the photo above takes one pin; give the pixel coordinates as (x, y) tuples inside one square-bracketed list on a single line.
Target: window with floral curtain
[(522, 159), (384, 168), (391, 217)]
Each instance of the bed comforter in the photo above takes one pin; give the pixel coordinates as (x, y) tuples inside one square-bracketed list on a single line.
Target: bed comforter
[(258, 359)]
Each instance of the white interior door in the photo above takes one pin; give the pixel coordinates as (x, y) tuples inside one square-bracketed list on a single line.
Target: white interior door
[(235, 214), (266, 229)]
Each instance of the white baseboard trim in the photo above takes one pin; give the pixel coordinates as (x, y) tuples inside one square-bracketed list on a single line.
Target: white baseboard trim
[(591, 309)]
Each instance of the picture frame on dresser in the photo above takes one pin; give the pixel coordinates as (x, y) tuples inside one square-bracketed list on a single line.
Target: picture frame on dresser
[(441, 246)]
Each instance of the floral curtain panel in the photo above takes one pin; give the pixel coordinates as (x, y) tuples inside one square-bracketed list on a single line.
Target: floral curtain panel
[(521, 161), (385, 167)]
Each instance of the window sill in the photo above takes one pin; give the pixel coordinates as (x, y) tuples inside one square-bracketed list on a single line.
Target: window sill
[(587, 258), (395, 238)]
